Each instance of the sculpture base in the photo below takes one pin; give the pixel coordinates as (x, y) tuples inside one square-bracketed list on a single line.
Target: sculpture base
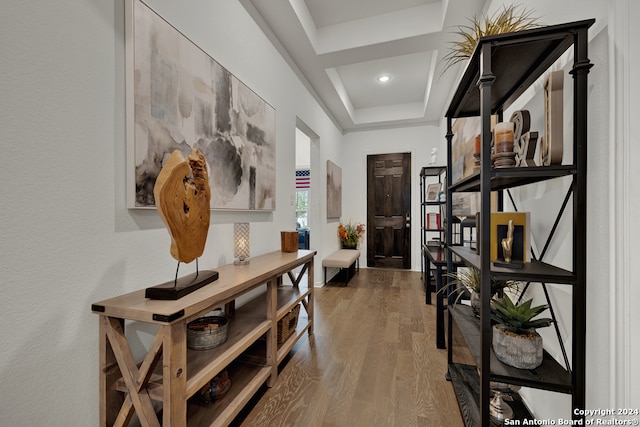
[(184, 286), (513, 264)]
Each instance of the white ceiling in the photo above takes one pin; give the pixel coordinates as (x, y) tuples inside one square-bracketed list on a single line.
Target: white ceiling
[(340, 47)]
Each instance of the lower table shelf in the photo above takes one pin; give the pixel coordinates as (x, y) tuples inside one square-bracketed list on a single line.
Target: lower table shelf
[(245, 381), (466, 384)]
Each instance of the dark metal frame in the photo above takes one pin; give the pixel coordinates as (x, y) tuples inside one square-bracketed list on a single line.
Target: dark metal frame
[(425, 172), (528, 54)]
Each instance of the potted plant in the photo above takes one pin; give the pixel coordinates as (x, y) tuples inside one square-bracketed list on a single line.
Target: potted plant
[(515, 339), (350, 234), (507, 20), (470, 279)]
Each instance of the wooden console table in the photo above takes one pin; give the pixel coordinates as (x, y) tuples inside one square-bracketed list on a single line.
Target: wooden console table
[(127, 387)]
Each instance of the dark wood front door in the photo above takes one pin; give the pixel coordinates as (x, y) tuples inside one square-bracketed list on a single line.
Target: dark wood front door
[(389, 210)]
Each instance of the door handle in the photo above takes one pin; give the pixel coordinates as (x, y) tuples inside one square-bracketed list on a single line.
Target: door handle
[(407, 218)]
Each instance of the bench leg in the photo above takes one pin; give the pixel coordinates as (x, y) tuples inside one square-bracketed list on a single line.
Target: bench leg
[(325, 275), (351, 269)]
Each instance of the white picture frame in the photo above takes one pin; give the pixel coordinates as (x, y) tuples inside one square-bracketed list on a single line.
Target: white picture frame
[(433, 191)]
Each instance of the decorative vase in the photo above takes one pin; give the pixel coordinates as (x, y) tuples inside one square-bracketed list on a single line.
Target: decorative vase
[(519, 351), (349, 244)]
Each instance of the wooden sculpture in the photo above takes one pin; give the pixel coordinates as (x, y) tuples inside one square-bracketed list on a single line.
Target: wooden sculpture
[(525, 140), (551, 143), (182, 196)]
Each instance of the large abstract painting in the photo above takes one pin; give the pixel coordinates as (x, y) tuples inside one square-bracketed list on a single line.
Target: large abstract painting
[(334, 190), (178, 97)]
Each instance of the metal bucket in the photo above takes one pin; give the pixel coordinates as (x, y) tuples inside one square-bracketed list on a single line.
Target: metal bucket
[(207, 332)]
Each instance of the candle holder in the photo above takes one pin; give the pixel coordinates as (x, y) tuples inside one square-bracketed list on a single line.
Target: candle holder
[(241, 238), (476, 154), (504, 156)]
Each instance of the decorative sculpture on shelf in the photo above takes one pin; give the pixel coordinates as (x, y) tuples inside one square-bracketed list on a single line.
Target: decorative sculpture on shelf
[(507, 242), (434, 156), (524, 139), (182, 195), (513, 240), (551, 143)]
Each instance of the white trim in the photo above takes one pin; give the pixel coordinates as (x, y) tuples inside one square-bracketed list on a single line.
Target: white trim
[(619, 261)]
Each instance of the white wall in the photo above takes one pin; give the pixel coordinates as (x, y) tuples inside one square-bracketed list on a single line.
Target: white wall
[(303, 150), (624, 62), (417, 140), (67, 239)]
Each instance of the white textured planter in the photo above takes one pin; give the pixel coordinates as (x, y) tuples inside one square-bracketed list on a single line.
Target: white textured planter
[(475, 302), (517, 351)]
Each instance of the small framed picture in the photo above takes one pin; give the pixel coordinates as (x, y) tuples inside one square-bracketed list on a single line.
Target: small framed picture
[(432, 192)]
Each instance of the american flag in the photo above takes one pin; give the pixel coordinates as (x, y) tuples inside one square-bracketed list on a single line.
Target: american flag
[(303, 178)]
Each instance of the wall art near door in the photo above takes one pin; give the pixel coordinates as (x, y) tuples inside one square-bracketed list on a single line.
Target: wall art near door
[(178, 97), (334, 190)]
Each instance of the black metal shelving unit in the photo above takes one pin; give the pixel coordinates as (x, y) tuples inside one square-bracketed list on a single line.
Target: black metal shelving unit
[(500, 69), (429, 175)]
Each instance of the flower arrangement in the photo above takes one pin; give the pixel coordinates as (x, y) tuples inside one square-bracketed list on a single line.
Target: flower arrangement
[(350, 234)]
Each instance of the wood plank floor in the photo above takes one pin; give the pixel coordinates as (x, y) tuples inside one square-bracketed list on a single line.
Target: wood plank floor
[(371, 362)]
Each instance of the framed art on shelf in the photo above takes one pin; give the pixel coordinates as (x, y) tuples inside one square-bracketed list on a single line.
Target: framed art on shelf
[(433, 190), (179, 98)]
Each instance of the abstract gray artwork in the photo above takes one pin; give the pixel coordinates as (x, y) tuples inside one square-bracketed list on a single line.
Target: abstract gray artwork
[(181, 98), (334, 190)]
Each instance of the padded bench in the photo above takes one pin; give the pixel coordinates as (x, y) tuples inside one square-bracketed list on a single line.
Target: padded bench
[(342, 259)]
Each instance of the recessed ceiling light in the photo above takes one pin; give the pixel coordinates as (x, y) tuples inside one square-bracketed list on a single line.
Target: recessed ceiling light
[(384, 78)]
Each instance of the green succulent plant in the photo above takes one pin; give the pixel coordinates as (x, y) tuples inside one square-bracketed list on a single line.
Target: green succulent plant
[(507, 20), (519, 318)]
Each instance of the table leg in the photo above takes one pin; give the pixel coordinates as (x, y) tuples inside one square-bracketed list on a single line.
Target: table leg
[(439, 310), (272, 334), (135, 379), (310, 299), (427, 278), (174, 374), (110, 399)]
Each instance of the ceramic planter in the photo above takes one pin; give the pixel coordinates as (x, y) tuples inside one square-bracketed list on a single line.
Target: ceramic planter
[(475, 302), (523, 352)]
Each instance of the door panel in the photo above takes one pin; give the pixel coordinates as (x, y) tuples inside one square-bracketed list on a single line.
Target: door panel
[(389, 210)]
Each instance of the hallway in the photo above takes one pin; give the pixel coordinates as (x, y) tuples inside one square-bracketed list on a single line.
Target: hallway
[(371, 362)]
